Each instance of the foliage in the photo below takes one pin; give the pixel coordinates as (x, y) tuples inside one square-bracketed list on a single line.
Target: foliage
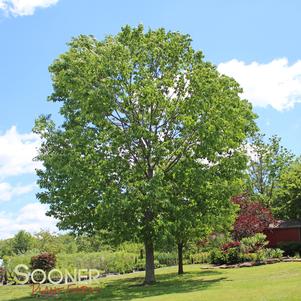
[(202, 257), (104, 262), (288, 195), (53, 243), (10, 262), (249, 257), (217, 256), (232, 256), (45, 241), (292, 248), (214, 240), (44, 261), (253, 217), (131, 247), (268, 162), (22, 242), (165, 258), (254, 243), (230, 245), (274, 253), (135, 107), (231, 252), (6, 247), (111, 262), (248, 249)]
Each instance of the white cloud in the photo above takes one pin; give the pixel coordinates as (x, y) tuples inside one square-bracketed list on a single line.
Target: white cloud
[(7, 191), (276, 83), (24, 7), (30, 218), (17, 152)]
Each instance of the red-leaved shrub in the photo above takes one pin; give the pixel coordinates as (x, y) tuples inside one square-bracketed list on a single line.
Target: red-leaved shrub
[(253, 217), (45, 261), (230, 245)]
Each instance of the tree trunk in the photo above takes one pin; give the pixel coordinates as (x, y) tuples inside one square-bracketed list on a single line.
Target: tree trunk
[(149, 262), (180, 258)]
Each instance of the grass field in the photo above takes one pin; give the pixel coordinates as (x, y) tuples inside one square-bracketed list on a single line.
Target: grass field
[(270, 282)]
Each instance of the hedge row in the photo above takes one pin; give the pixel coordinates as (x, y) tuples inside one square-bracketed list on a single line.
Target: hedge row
[(105, 262)]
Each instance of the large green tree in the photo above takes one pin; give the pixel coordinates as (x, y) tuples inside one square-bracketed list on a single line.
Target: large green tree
[(268, 161), (134, 106), (288, 193)]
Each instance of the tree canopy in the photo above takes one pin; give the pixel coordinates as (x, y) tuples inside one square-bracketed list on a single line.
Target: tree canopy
[(268, 162), (288, 193), (135, 107)]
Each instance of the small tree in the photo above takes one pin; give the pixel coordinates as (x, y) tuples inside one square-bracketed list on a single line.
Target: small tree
[(202, 204), (252, 218)]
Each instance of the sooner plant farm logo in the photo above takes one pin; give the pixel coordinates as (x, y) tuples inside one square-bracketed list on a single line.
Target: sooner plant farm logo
[(54, 276)]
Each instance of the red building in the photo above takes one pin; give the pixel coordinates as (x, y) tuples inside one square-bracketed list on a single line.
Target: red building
[(283, 231)]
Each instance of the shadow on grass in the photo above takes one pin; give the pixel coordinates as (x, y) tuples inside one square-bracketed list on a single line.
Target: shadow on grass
[(130, 288)]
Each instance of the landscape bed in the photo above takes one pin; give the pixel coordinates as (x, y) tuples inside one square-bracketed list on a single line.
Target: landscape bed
[(269, 282)]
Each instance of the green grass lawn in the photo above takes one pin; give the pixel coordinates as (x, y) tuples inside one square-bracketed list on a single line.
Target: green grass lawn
[(270, 282)]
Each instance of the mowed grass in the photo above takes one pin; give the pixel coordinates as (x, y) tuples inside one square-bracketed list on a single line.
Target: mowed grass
[(270, 282)]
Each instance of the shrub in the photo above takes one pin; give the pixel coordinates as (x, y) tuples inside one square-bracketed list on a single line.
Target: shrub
[(254, 243), (229, 254), (120, 262), (104, 262), (261, 255), (230, 245), (233, 256), (249, 257), (167, 259), (290, 248), (139, 265), (217, 256), (274, 253), (253, 217), (44, 261), (203, 257)]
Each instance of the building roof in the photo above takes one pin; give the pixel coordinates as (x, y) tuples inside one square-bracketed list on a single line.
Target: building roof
[(280, 224)]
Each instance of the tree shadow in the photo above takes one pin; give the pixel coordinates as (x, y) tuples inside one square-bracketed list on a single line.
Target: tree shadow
[(130, 288)]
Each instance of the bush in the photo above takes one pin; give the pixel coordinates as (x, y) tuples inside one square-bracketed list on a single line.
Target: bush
[(230, 245), (249, 257), (203, 257), (167, 259), (233, 256), (253, 217), (217, 256), (45, 261), (120, 262), (139, 265), (290, 248), (254, 243), (274, 253)]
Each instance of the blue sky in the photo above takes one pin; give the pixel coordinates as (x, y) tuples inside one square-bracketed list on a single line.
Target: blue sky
[(256, 41)]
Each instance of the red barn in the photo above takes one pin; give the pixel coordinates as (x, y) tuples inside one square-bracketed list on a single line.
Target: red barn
[(283, 231)]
